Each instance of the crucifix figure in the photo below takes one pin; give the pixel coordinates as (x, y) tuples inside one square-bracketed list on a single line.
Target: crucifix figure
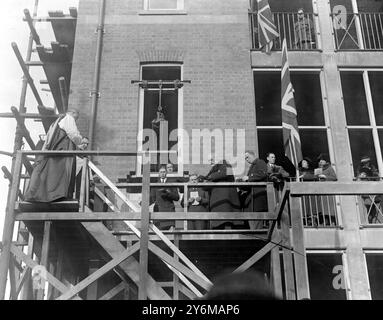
[(160, 110)]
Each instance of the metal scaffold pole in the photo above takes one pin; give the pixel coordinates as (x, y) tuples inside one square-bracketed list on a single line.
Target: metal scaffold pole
[(9, 219)]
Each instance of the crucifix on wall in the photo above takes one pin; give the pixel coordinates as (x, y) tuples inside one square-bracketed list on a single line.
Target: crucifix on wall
[(160, 113)]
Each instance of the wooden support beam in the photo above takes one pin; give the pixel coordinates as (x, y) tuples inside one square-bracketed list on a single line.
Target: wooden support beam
[(28, 284), (23, 279), (32, 264), (179, 253), (63, 93), (28, 116), (176, 280), (99, 273), (336, 188), (45, 254), (30, 22), (27, 74), (275, 268), (9, 223), (179, 266), (130, 266), (279, 209), (300, 259), (113, 292), (132, 216), (84, 176), (21, 125), (144, 239), (256, 257), (91, 292), (12, 280), (287, 258)]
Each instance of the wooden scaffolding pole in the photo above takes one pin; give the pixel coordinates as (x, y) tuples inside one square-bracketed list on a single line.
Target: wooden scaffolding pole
[(9, 223), (144, 240)]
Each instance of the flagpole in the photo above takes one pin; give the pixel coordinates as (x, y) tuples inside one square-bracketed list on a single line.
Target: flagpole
[(295, 156)]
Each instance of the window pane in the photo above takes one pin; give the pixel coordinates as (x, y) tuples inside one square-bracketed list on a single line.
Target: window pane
[(370, 6), (268, 98), (376, 84), (290, 6), (164, 73), (308, 98), (354, 98), (270, 141), (325, 277), (163, 4), (314, 142), (375, 275), (380, 133), (361, 143)]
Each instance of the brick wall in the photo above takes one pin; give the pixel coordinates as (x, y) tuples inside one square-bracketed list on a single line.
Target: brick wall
[(213, 41)]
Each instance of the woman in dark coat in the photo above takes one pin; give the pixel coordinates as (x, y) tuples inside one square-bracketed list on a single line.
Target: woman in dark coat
[(222, 199)]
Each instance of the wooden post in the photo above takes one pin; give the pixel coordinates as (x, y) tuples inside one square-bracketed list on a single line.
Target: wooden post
[(300, 261), (28, 285), (176, 280), (144, 240), (44, 254), (9, 224), (83, 185), (59, 269), (287, 258), (91, 293), (275, 269)]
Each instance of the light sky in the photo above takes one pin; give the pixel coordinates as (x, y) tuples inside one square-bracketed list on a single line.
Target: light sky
[(14, 29)]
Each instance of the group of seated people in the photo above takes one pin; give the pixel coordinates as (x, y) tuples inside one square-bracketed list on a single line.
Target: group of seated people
[(231, 198)]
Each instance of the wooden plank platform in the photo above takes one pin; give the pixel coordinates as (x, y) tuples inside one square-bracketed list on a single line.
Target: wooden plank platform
[(59, 206)]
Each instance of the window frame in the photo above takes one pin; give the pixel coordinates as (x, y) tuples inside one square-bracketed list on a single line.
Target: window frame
[(344, 263), (180, 6), (180, 165), (371, 114), (326, 125)]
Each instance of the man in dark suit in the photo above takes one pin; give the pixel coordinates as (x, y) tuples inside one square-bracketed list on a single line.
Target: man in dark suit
[(255, 198), (163, 198), (197, 200)]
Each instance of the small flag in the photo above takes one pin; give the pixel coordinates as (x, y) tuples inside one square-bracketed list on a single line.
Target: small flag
[(291, 139), (267, 31)]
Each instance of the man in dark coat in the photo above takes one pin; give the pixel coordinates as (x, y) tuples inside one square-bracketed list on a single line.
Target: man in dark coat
[(197, 200), (53, 177), (255, 198), (163, 198), (222, 199)]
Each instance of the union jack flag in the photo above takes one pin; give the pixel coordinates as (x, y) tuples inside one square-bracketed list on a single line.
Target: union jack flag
[(291, 139), (267, 31)]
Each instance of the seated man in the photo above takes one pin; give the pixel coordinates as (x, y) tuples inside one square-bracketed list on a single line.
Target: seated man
[(197, 201), (163, 198), (53, 177)]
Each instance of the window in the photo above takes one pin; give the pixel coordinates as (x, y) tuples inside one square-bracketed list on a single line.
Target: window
[(163, 4), (160, 123), (375, 274), (310, 112), (357, 25), (327, 276), (362, 95)]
